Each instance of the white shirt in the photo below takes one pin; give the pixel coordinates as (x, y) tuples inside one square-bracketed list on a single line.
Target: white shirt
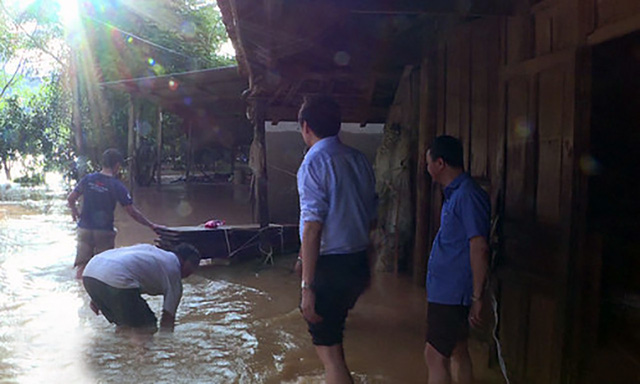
[(144, 266)]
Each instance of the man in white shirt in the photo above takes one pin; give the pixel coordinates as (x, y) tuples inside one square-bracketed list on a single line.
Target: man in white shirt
[(115, 279)]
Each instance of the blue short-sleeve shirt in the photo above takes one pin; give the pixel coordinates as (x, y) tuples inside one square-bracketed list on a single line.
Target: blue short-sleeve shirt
[(466, 212), (337, 185), (100, 193)]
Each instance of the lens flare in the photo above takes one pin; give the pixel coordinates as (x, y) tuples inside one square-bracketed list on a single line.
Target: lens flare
[(184, 209), (342, 58), (173, 85), (590, 166), (521, 127)]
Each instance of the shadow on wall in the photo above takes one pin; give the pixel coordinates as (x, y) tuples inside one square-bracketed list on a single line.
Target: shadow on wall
[(285, 151)]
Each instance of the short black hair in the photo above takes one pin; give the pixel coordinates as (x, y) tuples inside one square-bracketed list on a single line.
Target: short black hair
[(187, 253), (111, 157), (323, 115), (449, 149)]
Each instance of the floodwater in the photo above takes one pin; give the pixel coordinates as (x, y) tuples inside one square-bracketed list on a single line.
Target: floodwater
[(236, 324)]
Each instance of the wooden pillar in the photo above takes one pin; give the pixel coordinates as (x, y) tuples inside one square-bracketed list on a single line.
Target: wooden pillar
[(258, 164), (131, 146), (189, 149), (159, 147), (426, 132)]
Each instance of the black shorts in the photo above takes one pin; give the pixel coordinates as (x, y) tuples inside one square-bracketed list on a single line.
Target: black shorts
[(120, 306), (339, 281), (446, 326)]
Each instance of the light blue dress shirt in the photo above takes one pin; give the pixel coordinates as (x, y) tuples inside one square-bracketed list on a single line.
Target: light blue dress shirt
[(336, 185), (466, 212)]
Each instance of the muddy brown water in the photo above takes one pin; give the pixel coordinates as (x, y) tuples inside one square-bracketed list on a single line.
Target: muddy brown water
[(236, 324)]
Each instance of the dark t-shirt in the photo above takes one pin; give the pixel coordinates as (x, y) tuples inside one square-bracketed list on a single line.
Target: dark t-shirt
[(100, 193)]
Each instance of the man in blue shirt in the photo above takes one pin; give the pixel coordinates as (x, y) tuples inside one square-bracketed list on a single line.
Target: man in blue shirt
[(336, 185), (457, 266), (100, 192)]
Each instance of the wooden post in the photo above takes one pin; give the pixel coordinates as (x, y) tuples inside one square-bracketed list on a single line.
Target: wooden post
[(426, 132), (159, 147), (189, 149), (131, 146), (258, 163)]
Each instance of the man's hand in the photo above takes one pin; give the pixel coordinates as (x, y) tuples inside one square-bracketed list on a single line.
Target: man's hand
[(167, 322), (298, 267), (71, 203), (308, 306), (475, 314), (94, 308), (158, 227)]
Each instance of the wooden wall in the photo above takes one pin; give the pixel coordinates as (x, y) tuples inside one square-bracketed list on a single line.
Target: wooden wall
[(516, 91)]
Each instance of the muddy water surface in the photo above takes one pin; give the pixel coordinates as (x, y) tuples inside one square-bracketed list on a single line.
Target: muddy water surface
[(235, 324)]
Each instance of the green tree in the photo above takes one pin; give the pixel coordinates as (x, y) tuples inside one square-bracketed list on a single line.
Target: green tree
[(125, 41)]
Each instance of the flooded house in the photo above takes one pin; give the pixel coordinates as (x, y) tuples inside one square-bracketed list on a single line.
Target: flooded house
[(544, 96)]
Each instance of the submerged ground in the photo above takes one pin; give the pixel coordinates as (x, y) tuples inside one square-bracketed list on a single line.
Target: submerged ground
[(236, 324)]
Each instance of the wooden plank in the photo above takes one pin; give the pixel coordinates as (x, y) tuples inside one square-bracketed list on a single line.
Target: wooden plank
[(610, 31), (518, 42), (538, 64), (426, 132), (518, 131), (543, 357), (159, 147), (453, 88), (614, 11), (550, 118), (496, 122), (478, 8), (543, 33), (514, 309), (441, 88), (258, 163), (131, 145), (481, 39), (465, 91)]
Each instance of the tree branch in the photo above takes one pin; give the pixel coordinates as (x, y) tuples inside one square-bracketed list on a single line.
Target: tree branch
[(12, 79), (38, 44)]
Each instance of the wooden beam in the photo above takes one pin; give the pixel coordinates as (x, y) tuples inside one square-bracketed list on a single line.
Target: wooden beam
[(614, 30), (258, 163), (349, 114), (131, 145), (427, 126), (159, 147), (463, 7)]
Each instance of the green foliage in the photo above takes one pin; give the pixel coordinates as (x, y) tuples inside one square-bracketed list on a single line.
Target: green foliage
[(37, 123), (151, 38), (116, 40)]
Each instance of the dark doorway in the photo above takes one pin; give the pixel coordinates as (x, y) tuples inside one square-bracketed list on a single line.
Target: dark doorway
[(614, 206)]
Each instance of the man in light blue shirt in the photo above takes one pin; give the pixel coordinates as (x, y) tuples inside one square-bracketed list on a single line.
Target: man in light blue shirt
[(336, 185), (457, 265)]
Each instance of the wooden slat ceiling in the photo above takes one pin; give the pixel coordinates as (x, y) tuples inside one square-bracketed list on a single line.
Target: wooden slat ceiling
[(354, 50)]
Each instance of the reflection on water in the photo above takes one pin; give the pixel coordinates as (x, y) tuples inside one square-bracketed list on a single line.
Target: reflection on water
[(235, 324)]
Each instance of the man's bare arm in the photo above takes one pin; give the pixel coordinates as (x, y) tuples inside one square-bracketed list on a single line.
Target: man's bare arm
[(479, 255), (140, 218), (309, 252), (71, 203), (167, 322)]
